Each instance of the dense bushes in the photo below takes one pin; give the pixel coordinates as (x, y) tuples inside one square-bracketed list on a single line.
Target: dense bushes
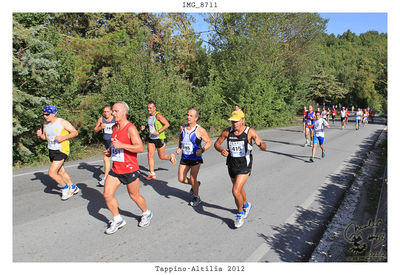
[(269, 64)]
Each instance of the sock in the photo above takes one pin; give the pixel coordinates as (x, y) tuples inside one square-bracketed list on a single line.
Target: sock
[(73, 186), (117, 218), (246, 205), (146, 213), (241, 212), (65, 187)]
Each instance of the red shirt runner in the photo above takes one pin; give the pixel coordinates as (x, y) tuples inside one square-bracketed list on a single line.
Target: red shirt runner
[(123, 161)]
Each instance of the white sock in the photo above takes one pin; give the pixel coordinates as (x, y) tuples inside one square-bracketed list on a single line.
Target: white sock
[(146, 213), (117, 218)]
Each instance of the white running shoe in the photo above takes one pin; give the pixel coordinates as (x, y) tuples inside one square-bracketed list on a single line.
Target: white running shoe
[(113, 226), (65, 195), (145, 221), (69, 192), (246, 210), (102, 181), (239, 220)]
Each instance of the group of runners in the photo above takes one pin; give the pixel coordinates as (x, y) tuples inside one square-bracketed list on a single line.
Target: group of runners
[(122, 144), (314, 124)]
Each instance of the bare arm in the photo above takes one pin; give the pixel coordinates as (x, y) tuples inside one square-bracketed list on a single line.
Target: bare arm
[(202, 134), (165, 123), (40, 134), (217, 145), (137, 144), (99, 125), (178, 151), (257, 140), (71, 129)]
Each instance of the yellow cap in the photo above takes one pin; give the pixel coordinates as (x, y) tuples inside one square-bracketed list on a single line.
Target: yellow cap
[(237, 115)]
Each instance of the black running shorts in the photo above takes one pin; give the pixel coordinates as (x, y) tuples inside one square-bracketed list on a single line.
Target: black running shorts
[(125, 178), (56, 155), (189, 162), (158, 142), (234, 172)]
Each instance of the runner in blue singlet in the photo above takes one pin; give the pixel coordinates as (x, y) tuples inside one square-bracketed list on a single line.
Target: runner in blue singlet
[(190, 140), (106, 122)]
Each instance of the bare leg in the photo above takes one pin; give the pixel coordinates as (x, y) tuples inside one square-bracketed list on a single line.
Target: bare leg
[(110, 186), (238, 190)]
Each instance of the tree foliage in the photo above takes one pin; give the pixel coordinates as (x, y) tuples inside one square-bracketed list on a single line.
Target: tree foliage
[(270, 64)]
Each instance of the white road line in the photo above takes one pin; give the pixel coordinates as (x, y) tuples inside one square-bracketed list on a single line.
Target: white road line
[(74, 165)]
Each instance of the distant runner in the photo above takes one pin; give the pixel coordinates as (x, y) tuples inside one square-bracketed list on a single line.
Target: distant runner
[(190, 145), (358, 114), (343, 117), (319, 135), (157, 124), (333, 115), (125, 144), (365, 117), (106, 122), (309, 126), (239, 160), (58, 132), (304, 118)]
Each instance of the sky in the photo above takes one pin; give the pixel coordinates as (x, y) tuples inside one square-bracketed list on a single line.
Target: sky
[(338, 23)]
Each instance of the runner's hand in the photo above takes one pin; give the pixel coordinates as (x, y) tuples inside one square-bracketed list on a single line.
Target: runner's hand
[(117, 144), (142, 127), (107, 152), (178, 151), (225, 152), (60, 138), (39, 133)]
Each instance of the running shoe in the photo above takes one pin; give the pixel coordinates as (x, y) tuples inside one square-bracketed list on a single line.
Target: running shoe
[(305, 144), (69, 192), (102, 181), (145, 221), (246, 210), (239, 220), (312, 159), (191, 189), (113, 226), (151, 176), (323, 153), (65, 195), (195, 201), (310, 144), (173, 159)]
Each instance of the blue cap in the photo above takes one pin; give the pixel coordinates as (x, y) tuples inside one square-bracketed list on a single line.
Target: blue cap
[(50, 109)]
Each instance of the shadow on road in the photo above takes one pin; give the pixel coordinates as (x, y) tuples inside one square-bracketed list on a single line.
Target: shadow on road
[(295, 242), (48, 182), (200, 209), (96, 202), (162, 188), (284, 142), (302, 158), (95, 169)]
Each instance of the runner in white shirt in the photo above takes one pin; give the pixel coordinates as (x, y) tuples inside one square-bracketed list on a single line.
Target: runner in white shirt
[(319, 135), (359, 114)]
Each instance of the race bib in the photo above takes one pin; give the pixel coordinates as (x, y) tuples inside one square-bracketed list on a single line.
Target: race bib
[(309, 122), (117, 154), (236, 149), (187, 148), (108, 128), (53, 144)]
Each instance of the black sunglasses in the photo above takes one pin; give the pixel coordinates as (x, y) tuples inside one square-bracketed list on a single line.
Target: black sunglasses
[(46, 114)]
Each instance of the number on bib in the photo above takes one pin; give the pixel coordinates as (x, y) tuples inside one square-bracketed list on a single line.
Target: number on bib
[(117, 154), (236, 148)]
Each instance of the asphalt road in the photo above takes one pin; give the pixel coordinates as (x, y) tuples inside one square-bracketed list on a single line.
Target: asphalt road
[(292, 201)]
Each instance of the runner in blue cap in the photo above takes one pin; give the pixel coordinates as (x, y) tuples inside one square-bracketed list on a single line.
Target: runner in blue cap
[(58, 132)]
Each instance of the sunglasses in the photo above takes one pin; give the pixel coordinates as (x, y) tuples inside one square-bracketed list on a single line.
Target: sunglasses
[(46, 114)]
